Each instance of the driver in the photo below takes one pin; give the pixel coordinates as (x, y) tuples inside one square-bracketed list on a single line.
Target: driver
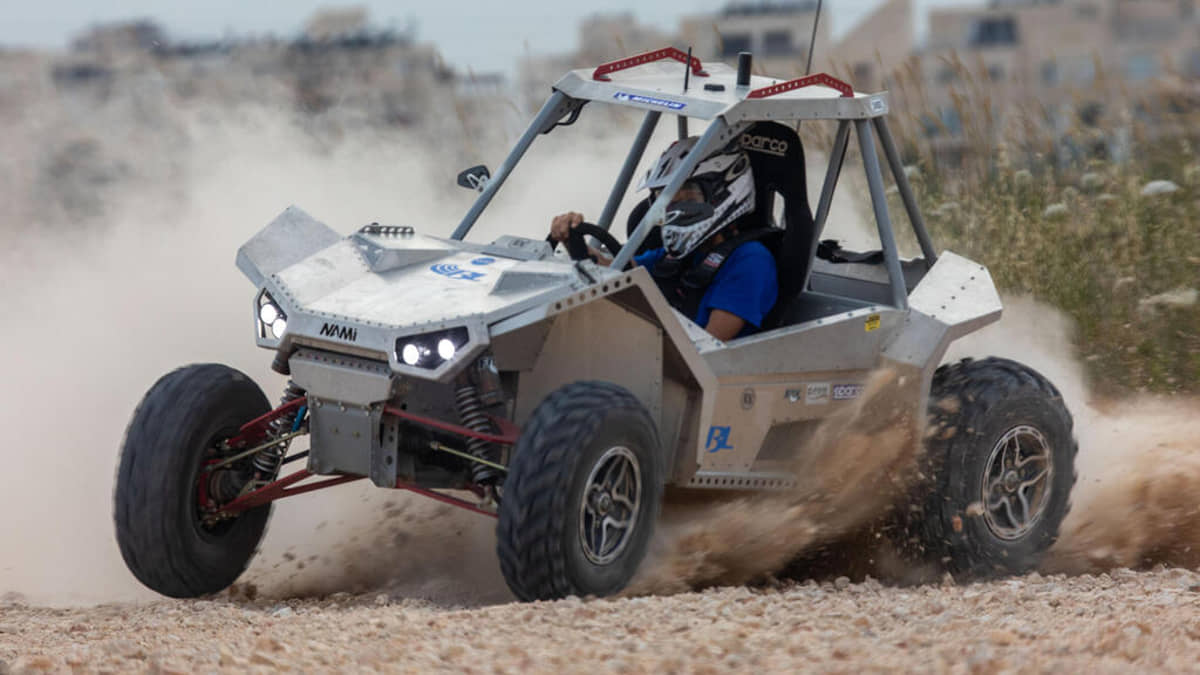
[(711, 271)]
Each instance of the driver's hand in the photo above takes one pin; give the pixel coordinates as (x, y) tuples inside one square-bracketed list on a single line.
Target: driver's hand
[(561, 226)]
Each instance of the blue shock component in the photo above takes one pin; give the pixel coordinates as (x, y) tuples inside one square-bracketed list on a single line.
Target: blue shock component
[(299, 418)]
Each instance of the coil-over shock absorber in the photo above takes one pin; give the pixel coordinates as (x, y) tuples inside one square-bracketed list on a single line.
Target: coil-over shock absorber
[(268, 461), (470, 412)]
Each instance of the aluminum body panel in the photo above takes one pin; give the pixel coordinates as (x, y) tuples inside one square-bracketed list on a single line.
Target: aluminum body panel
[(959, 293), (342, 437), (956, 297), (803, 372), (913, 270), (342, 379), (747, 410), (331, 285), (518, 248), (849, 340), (658, 87), (598, 341), (518, 349), (291, 237)]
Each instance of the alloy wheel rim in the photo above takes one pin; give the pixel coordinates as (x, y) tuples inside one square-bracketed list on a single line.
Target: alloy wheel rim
[(608, 512), (1018, 482)]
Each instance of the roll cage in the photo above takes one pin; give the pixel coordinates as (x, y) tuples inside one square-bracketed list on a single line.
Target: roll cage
[(645, 82)]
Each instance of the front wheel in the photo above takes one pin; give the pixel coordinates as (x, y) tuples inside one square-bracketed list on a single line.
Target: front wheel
[(164, 490), (582, 494), (1001, 462)]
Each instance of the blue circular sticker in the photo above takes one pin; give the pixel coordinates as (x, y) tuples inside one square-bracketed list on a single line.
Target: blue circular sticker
[(483, 261)]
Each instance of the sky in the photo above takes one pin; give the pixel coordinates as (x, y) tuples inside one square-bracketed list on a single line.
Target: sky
[(482, 36)]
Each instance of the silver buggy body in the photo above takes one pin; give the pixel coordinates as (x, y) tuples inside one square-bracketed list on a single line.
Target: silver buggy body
[(432, 363)]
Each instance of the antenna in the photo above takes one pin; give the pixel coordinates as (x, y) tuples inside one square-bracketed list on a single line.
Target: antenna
[(687, 72), (812, 43)]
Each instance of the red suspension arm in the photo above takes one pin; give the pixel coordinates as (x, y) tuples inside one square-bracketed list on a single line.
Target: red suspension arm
[(280, 489)]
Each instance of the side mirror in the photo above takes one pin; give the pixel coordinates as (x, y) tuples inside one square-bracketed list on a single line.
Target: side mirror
[(687, 213), (475, 178)]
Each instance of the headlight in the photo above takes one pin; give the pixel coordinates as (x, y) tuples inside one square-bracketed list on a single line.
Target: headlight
[(272, 322), (268, 313), (411, 354), (431, 349)]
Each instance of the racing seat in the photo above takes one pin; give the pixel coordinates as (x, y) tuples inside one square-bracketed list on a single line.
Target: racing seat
[(777, 160)]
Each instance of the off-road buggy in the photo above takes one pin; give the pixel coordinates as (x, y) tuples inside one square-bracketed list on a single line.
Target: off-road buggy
[(562, 397)]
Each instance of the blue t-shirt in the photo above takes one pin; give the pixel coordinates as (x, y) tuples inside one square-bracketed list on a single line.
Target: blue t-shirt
[(744, 286)]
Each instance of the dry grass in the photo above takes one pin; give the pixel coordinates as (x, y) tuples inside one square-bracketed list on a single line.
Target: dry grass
[(1058, 213)]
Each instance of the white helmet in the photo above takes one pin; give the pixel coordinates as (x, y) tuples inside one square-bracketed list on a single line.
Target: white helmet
[(725, 178)]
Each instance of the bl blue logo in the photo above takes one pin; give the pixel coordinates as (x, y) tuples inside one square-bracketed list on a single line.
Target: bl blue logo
[(718, 439), (483, 261)]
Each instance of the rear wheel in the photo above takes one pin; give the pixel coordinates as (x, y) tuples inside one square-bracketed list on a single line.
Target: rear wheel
[(582, 494), (1001, 461), (164, 496)]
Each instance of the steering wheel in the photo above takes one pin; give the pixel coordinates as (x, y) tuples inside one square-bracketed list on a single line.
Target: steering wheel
[(577, 246)]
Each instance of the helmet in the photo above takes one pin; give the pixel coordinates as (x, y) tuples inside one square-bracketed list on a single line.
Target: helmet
[(725, 178)]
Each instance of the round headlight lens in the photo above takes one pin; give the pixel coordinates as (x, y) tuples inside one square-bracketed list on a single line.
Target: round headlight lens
[(268, 313), (278, 326), (411, 354), (446, 349)]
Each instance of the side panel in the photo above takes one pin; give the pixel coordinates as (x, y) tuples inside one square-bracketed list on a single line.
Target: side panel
[(786, 381), (596, 341)]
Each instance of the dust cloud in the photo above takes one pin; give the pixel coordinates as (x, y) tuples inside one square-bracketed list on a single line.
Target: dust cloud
[(860, 461), (96, 311)]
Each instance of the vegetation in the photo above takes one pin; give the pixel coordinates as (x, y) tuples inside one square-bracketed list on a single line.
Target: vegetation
[(1075, 211)]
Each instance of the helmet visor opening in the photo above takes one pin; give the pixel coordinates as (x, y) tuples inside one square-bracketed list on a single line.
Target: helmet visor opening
[(690, 191)]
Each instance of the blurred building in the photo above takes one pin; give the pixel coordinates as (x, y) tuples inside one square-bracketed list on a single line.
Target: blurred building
[(868, 55), (337, 23), (340, 63), (779, 34), (1075, 61), (125, 36)]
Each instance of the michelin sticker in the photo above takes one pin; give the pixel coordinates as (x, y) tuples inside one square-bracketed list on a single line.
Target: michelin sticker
[(845, 392), (649, 100), (817, 393), (456, 272)]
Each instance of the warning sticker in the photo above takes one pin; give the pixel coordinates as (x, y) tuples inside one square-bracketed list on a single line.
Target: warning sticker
[(872, 322)]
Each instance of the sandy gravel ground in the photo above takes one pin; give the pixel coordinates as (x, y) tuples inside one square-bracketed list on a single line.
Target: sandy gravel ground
[(1116, 622)]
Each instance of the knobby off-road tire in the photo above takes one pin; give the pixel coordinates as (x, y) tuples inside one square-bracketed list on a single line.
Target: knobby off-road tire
[(159, 530), (581, 438), (995, 426)]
